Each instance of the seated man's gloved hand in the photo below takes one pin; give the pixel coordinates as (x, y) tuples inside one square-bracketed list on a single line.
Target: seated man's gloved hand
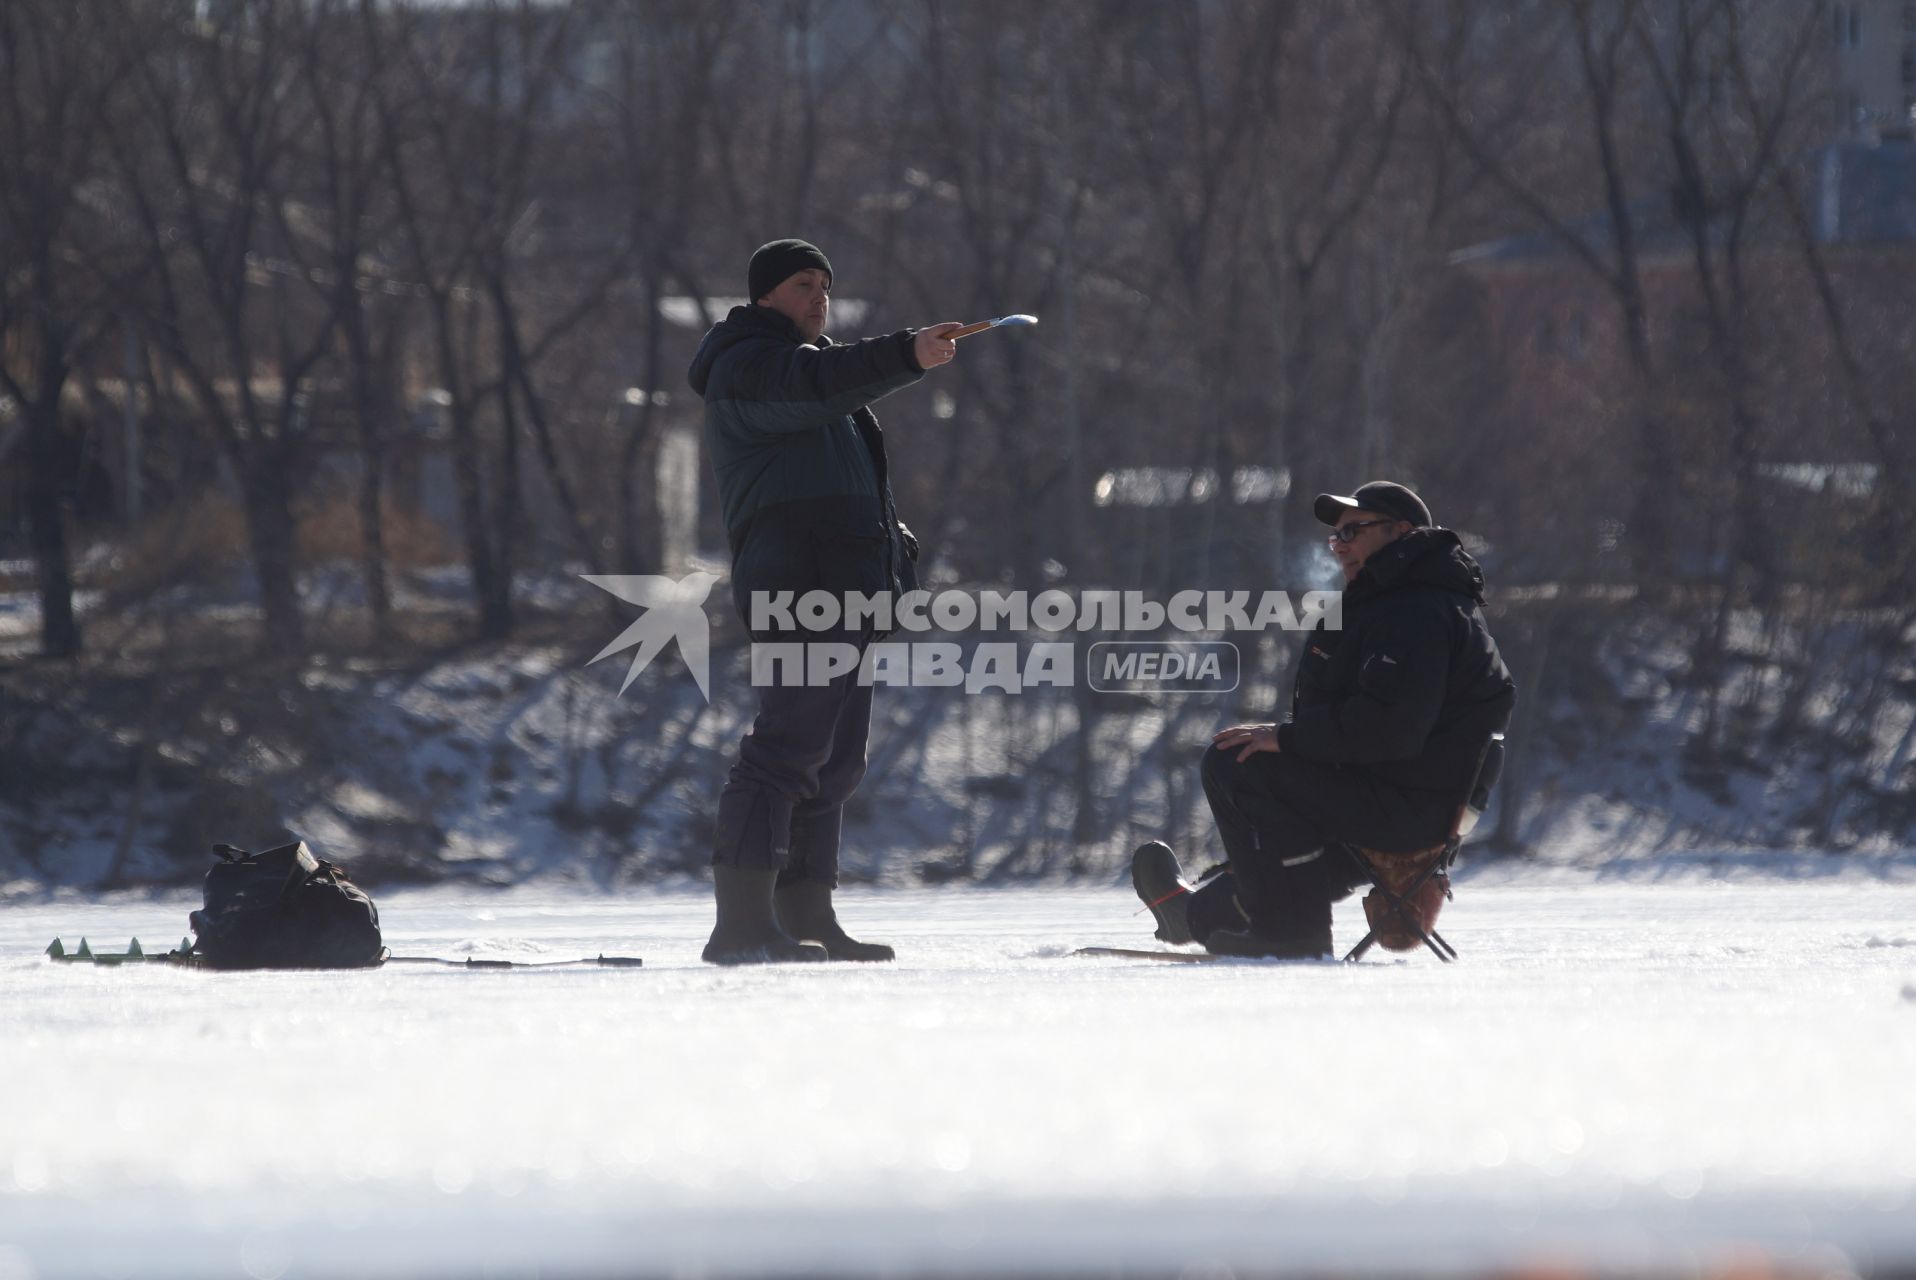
[(911, 539)]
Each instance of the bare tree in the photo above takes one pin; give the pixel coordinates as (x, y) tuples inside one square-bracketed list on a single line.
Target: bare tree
[(54, 301), (997, 171), (1731, 98), (1194, 104), (472, 154), (203, 144), (1339, 265), (348, 194), (658, 108), (1478, 68)]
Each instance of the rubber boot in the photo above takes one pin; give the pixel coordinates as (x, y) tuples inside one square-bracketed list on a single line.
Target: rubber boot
[(1161, 886), (805, 911), (747, 931)]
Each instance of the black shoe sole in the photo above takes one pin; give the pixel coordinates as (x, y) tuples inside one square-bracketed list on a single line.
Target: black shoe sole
[(1155, 895), (806, 953), (860, 952)]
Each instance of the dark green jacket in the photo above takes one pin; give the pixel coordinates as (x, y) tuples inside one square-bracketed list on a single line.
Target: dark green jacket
[(1413, 683), (799, 457)]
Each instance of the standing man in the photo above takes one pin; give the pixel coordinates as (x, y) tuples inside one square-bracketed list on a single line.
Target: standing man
[(1388, 715), (808, 506)]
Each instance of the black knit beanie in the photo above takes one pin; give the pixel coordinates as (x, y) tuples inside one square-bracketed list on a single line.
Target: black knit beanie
[(774, 263)]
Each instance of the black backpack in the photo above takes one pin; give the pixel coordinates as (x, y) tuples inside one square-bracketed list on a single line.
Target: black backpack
[(284, 909)]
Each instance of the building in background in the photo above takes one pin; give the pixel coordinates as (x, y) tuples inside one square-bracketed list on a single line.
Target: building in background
[(1873, 68)]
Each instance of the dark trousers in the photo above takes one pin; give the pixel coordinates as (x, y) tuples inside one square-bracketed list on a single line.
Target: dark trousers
[(784, 801), (1284, 821)]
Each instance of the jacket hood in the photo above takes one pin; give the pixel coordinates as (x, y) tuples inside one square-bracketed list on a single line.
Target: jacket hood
[(740, 324), (1431, 557)]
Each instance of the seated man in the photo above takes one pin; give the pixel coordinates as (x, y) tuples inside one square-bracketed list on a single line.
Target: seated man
[(1387, 716)]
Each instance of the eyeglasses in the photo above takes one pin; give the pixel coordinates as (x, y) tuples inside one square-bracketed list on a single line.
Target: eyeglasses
[(1347, 534)]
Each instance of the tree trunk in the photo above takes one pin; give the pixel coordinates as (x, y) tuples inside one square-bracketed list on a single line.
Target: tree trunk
[(515, 373), (372, 532), (468, 468), (639, 545), (59, 630), (505, 509), (495, 599), (369, 409), (272, 536)]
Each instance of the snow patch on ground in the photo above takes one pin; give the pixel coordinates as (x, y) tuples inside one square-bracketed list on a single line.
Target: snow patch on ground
[(1622, 1076)]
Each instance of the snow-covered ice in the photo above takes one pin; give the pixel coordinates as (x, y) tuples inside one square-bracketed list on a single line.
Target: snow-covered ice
[(1618, 1076)]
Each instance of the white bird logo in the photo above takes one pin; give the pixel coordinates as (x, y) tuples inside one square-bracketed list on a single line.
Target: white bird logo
[(674, 609)]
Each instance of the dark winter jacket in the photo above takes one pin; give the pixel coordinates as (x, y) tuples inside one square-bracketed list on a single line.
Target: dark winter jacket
[(1412, 684), (799, 457)]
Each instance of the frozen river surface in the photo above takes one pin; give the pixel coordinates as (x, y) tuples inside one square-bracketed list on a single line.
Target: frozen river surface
[(1679, 1078)]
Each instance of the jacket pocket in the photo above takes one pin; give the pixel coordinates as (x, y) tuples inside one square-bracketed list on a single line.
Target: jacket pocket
[(851, 558)]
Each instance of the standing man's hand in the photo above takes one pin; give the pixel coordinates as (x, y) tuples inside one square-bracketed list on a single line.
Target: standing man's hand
[(1252, 737), (931, 348)]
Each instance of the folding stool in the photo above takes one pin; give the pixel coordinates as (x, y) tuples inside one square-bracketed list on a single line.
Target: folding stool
[(1401, 882)]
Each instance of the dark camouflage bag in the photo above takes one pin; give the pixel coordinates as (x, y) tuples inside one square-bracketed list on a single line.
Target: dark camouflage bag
[(284, 909)]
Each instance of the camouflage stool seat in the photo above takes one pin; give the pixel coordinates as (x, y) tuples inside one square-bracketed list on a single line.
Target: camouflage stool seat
[(1409, 889)]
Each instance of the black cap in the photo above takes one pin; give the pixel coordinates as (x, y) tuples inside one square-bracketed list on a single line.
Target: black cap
[(780, 260), (1385, 497)]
